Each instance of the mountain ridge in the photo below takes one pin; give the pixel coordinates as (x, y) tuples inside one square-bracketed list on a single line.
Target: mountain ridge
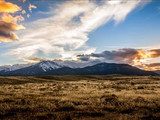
[(53, 68)]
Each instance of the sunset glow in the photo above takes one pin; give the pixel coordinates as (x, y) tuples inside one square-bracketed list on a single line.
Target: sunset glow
[(80, 30)]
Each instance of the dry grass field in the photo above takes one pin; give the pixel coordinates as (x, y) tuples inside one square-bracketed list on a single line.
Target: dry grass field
[(80, 98)]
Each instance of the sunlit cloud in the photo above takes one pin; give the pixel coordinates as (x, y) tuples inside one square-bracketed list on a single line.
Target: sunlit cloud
[(23, 12), (7, 26), (65, 33), (152, 66), (142, 58), (35, 59), (10, 19), (28, 15), (114, 2), (31, 7), (8, 7), (7, 37), (8, 22)]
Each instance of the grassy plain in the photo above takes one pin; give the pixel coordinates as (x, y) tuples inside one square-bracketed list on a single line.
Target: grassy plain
[(80, 98)]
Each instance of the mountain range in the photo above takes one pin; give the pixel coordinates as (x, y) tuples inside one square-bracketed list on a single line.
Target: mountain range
[(54, 68)]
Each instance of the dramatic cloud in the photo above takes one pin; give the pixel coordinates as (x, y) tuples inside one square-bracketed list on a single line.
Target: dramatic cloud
[(66, 31), (8, 22), (150, 66), (144, 59), (8, 7), (121, 56), (5, 26), (136, 57), (153, 65), (5, 31), (9, 18), (6, 37)]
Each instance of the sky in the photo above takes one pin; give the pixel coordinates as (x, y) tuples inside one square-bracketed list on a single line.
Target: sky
[(113, 31)]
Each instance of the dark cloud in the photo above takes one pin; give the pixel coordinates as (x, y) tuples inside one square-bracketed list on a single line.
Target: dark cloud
[(117, 54), (136, 57), (8, 21), (5, 26), (6, 29), (122, 55), (7, 36), (83, 57)]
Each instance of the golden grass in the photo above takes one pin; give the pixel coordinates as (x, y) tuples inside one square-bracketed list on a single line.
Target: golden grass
[(80, 98)]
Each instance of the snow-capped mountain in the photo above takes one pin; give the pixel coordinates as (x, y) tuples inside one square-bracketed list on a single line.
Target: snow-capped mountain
[(44, 65), (70, 68), (53, 68), (49, 65), (41, 67), (13, 67)]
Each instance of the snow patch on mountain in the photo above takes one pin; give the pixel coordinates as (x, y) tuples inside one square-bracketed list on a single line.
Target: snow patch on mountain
[(49, 65), (7, 68)]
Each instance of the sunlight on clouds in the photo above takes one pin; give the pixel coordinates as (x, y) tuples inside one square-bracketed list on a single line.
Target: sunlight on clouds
[(8, 22), (6, 37), (65, 33), (31, 7), (8, 7), (146, 59), (9, 18), (113, 1)]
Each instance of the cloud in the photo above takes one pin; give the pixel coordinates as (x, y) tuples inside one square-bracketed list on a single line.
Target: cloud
[(31, 7), (66, 31), (8, 22), (150, 66), (34, 59), (153, 65), (121, 56), (6, 29), (155, 53), (69, 63), (7, 37), (5, 26), (9, 18), (142, 58), (23, 12), (8, 7)]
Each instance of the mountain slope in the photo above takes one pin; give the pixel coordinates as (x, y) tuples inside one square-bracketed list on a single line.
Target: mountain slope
[(52, 68), (112, 68), (36, 69), (13, 67), (157, 72)]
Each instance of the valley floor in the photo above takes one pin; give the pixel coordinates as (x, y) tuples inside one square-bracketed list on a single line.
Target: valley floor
[(80, 98)]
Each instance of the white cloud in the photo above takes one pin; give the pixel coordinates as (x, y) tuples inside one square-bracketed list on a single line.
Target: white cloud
[(65, 33)]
